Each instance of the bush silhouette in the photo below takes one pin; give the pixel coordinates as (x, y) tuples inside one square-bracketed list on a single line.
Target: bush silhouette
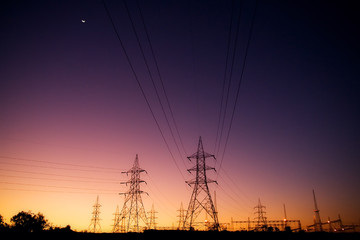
[(29, 222)]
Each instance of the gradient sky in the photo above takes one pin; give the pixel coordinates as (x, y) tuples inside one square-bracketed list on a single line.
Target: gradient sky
[(68, 96)]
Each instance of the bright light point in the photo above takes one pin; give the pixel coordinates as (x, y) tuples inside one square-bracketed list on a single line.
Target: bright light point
[(83, 20), (284, 219)]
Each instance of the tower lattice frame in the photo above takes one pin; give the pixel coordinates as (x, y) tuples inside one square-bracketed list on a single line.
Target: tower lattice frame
[(261, 219), (133, 211), (95, 220), (201, 198)]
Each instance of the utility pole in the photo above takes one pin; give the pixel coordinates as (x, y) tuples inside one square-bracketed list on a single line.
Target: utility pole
[(95, 220), (261, 219), (200, 198), (317, 219), (152, 222), (133, 210)]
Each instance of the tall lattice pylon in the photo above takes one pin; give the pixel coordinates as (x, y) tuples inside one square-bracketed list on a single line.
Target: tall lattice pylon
[(117, 221), (152, 221), (201, 199), (317, 219), (260, 218), (95, 220), (181, 217), (133, 211)]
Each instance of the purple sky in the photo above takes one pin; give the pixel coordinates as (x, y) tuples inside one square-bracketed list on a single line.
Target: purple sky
[(67, 95)]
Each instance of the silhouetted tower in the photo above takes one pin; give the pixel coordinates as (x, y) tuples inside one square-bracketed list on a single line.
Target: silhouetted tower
[(285, 218), (261, 219), (117, 221), (181, 217), (201, 198), (317, 220), (152, 222), (95, 220), (133, 211)]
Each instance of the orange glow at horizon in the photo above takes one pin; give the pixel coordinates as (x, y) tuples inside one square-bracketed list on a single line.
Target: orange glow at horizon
[(66, 200)]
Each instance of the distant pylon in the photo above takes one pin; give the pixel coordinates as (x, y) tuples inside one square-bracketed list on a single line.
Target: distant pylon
[(95, 220), (261, 219), (317, 220), (117, 220), (133, 210), (152, 222), (181, 217), (201, 198), (285, 218)]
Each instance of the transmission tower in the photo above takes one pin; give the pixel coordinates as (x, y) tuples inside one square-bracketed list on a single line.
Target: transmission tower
[(261, 219), (95, 220), (152, 222), (133, 210), (200, 198), (181, 217), (117, 221), (317, 220)]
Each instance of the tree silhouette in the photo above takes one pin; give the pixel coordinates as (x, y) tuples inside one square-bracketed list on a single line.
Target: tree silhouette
[(2, 223), (29, 222)]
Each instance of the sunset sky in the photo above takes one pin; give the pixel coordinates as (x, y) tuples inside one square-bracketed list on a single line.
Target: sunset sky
[(72, 115)]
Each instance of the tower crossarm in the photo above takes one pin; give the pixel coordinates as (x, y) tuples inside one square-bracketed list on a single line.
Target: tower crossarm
[(209, 168), (200, 155), (206, 168), (135, 170), (208, 180), (192, 169), (132, 181)]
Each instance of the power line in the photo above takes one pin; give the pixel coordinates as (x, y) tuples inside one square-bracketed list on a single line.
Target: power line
[(161, 205), (235, 201), (151, 77), (140, 87), (54, 145), (232, 190), (54, 186), (49, 191), (57, 175), (222, 122), (158, 189), (225, 74), (58, 163), (160, 76), (239, 84), (52, 179), (60, 168), (236, 185)]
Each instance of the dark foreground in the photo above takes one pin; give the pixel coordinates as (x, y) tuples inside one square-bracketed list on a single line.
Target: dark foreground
[(185, 235)]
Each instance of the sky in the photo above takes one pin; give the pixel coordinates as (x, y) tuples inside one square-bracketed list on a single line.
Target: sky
[(73, 116)]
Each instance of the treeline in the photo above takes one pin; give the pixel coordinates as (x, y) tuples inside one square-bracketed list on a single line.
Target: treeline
[(28, 222), (27, 225)]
